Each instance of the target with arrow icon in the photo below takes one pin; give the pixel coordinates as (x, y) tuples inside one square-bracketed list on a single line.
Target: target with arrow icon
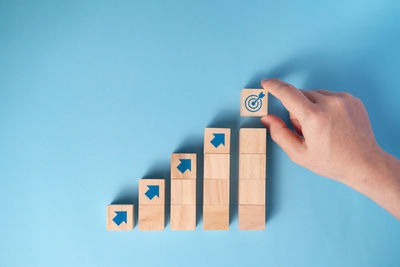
[(254, 102)]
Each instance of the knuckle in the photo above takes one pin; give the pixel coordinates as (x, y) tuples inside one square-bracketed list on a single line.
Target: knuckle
[(316, 115), (284, 86), (358, 101), (276, 80), (337, 101), (345, 95)]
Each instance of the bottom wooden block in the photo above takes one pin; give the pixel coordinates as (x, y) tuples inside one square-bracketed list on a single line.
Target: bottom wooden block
[(151, 217), (216, 217), (183, 217), (252, 217), (120, 217)]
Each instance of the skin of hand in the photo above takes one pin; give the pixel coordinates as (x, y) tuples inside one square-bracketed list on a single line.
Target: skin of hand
[(333, 138)]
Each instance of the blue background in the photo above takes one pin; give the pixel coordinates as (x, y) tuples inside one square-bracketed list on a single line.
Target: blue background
[(96, 94)]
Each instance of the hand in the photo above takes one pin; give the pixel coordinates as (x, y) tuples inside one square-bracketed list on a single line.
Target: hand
[(333, 138)]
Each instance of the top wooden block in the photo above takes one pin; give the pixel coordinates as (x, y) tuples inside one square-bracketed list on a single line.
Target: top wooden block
[(253, 140), (217, 140), (183, 166), (151, 191), (253, 103)]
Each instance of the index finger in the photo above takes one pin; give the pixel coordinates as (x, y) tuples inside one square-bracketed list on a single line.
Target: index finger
[(292, 98)]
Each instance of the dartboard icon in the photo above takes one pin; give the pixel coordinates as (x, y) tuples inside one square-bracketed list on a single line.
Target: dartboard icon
[(253, 103)]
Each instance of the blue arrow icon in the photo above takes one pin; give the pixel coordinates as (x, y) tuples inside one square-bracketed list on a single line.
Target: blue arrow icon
[(154, 190), (219, 138), (186, 164), (120, 217), (260, 96)]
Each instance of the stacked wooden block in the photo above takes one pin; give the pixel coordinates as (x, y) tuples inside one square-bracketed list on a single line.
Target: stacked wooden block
[(120, 217), (216, 178), (252, 181), (252, 178), (183, 191), (151, 204)]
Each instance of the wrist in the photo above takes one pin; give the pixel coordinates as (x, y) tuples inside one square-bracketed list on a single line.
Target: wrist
[(371, 171), (380, 181)]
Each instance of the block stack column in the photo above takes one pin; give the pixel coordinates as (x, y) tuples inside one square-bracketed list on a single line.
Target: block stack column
[(183, 191), (216, 178), (252, 178), (151, 204)]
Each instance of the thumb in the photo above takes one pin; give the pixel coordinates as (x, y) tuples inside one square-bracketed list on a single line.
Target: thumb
[(283, 136)]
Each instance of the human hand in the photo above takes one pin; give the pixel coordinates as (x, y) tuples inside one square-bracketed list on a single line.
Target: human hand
[(333, 138), (333, 135)]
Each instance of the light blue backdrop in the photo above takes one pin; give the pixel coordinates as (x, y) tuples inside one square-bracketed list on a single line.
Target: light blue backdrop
[(96, 94)]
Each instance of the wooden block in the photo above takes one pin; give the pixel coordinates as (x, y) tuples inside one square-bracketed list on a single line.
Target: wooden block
[(183, 191), (183, 217), (252, 192), (252, 166), (215, 217), (151, 217), (183, 166), (251, 217), (216, 192), (253, 103), (151, 192), (216, 166), (253, 140), (217, 140), (120, 217)]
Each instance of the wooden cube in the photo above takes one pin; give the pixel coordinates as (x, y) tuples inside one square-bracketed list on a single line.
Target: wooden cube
[(252, 192), (251, 217), (151, 217), (252, 166), (216, 217), (151, 191), (253, 103), (217, 140), (216, 166), (216, 192), (183, 166), (183, 217), (183, 191), (120, 217), (253, 140)]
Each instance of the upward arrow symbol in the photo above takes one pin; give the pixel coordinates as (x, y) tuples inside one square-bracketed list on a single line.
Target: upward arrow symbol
[(154, 190), (219, 138), (186, 164), (120, 217)]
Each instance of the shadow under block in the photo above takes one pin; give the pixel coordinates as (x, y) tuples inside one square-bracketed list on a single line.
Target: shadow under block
[(252, 166), (216, 192), (253, 140), (183, 191), (253, 103), (216, 166), (183, 166), (217, 140), (183, 217), (120, 217), (151, 191), (151, 217), (252, 217), (252, 192), (216, 217)]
